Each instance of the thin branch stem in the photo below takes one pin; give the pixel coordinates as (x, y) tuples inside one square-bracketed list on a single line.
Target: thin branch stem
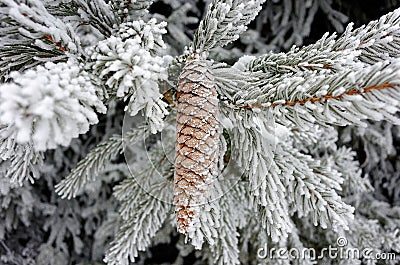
[(59, 46), (319, 99)]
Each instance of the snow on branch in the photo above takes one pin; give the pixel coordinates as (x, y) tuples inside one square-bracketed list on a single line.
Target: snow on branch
[(225, 249), (130, 69), (21, 160), (255, 158), (344, 98), (205, 223), (134, 8), (97, 13), (377, 41), (21, 54), (135, 233), (89, 168), (224, 22), (232, 80), (343, 161), (320, 56), (50, 105), (311, 188), (149, 34), (36, 23), (272, 164), (30, 36), (142, 215), (321, 143)]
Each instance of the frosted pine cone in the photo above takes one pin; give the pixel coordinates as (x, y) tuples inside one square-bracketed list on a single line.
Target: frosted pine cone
[(197, 144)]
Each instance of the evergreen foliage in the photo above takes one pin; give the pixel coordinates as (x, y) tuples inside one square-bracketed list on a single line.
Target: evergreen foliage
[(307, 148)]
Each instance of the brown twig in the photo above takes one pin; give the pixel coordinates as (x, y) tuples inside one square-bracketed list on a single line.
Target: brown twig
[(318, 99), (59, 46), (312, 67)]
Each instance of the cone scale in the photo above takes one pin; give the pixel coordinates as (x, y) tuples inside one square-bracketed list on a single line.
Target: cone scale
[(197, 141)]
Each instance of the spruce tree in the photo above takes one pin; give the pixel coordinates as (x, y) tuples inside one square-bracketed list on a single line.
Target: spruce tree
[(219, 128)]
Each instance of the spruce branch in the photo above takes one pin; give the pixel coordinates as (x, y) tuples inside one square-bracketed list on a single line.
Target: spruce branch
[(127, 8), (20, 50), (369, 233), (320, 56), (325, 97), (224, 21), (49, 105), (136, 232), (343, 160), (232, 80), (21, 160), (24, 166), (314, 189), (89, 168), (149, 34), (377, 41), (277, 165), (321, 144), (30, 36), (129, 68), (254, 134), (204, 226), (67, 10), (344, 98), (142, 215), (225, 249), (20, 55), (97, 13), (159, 170), (35, 22)]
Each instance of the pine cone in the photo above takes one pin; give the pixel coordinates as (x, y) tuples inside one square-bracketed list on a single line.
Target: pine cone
[(197, 142)]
